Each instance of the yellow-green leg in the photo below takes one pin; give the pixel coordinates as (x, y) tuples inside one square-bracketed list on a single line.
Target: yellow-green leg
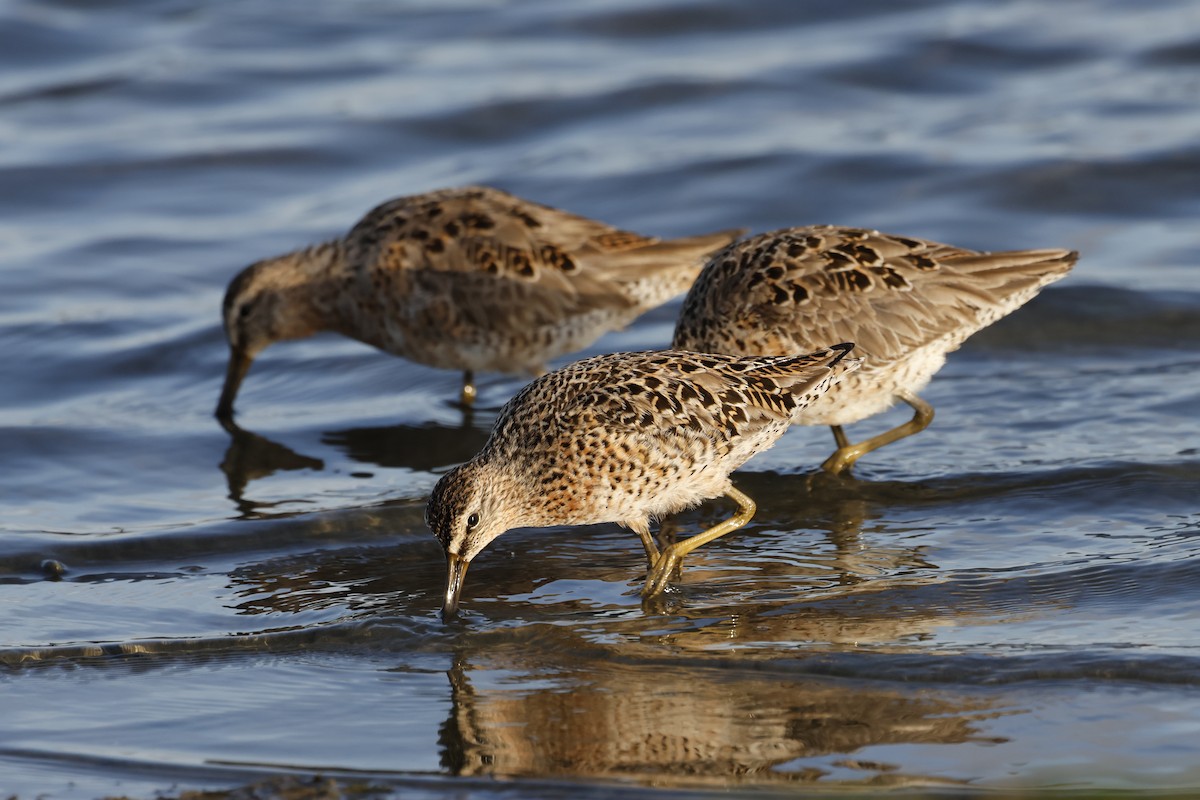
[(672, 555), (468, 389), (642, 529), (846, 454)]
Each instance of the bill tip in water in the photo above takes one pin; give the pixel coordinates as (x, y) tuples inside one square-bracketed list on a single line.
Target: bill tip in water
[(456, 570)]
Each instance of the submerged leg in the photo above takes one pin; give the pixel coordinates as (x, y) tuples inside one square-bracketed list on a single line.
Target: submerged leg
[(468, 389), (672, 555), (844, 457)]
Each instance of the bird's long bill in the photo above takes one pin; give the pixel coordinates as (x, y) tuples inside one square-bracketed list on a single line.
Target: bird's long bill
[(456, 570), (239, 364)]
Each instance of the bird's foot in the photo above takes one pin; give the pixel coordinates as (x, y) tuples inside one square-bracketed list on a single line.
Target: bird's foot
[(659, 577)]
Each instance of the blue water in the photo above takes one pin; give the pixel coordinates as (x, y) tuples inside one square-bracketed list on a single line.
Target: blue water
[(1009, 600)]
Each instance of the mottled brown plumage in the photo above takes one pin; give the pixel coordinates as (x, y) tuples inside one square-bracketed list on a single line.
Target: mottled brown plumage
[(904, 302), (625, 438), (468, 279)]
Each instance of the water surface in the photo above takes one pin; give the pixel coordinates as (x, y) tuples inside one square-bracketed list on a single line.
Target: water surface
[(1010, 600)]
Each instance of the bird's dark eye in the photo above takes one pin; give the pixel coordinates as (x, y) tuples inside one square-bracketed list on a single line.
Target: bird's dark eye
[(472, 521)]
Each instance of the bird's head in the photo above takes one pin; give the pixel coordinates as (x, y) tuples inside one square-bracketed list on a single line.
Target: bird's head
[(469, 507), (269, 301)]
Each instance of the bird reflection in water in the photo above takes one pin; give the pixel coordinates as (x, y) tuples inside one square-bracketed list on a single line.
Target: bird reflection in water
[(424, 448), (251, 457), (586, 711)]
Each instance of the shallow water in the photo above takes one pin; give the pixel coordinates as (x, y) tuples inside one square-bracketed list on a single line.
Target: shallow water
[(1008, 600)]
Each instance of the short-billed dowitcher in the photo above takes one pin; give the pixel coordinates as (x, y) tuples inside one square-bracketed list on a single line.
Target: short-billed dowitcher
[(625, 438), (905, 303), (467, 279)]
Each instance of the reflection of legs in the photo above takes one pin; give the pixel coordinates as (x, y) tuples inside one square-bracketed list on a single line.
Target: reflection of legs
[(671, 556), (468, 390), (844, 457)]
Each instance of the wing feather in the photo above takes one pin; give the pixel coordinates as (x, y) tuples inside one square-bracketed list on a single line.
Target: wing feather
[(797, 289)]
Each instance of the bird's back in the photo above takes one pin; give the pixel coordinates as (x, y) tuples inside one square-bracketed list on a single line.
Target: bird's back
[(476, 278), (905, 302), (629, 435)]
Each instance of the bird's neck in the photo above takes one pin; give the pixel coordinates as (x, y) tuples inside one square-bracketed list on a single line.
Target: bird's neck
[(319, 263), (310, 281)]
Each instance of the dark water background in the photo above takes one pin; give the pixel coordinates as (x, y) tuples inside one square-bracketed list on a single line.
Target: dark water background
[(1011, 599)]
